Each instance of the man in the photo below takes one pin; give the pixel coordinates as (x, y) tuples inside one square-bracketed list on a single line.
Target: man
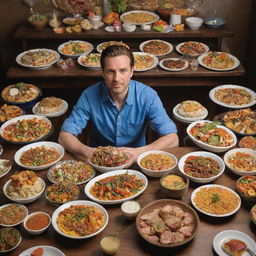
[(119, 109)]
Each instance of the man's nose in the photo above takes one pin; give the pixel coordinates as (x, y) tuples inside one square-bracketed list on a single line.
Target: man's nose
[(116, 76)]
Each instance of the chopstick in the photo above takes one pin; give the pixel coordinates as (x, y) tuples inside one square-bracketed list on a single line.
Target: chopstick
[(251, 252)]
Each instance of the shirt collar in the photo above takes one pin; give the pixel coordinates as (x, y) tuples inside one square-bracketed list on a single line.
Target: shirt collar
[(129, 99)]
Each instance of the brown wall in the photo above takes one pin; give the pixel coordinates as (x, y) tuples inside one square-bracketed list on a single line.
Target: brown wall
[(235, 12)]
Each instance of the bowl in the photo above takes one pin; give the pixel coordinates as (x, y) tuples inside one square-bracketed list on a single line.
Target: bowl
[(42, 220), (214, 22), (110, 244), (246, 187), (52, 153), (6, 234), (23, 200), (194, 23), (170, 158), (231, 141), (128, 27), (38, 20), (241, 160), (174, 185), (80, 203), (253, 214), (164, 13), (12, 214), (168, 206), (5, 167), (62, 192), (204, 154), (248, 142), (130, 209)]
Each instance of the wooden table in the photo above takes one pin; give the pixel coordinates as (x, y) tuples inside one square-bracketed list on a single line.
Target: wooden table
[(131, 242)]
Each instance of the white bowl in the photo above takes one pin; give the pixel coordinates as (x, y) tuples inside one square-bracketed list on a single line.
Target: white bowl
[(15, 246), (211, 148), (47, 144), (23, 200), (39, 231), (128, 27), (130, 209), (156, 174), (79, 202), (233, 151), (203, 154), (194, 23), (6, 168), (21, 220), (107, 169)]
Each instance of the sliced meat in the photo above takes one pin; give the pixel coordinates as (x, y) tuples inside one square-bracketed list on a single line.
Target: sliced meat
[(186, 230), (153, 239), (178, 237), (188, 219), (167, 237), (173, 222), (143, 224), (146, 231), (151, 217)]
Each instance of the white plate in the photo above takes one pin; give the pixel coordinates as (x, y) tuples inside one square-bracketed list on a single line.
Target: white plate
[(79, 60), (157, 40), (18, 59), (192, 55), (26, 117), (210, 214), (154, 15), (144, 54), (113, 173), (58, 165), (108, 43), (17, 223), (47, 251), (225, 235), (249, 151), (7, 169), (74, 55), (186, 119), (54, 114), (173, 69), (78, 202), (215, 100), (47, 144), (236, 62)]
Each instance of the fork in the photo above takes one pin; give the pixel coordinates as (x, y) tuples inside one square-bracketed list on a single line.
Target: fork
[(251, 252)]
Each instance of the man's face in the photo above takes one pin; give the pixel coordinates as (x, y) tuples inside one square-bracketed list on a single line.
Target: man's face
[(117, 73)]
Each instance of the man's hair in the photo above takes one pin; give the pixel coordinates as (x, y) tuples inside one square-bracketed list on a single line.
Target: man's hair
[(116, 50)]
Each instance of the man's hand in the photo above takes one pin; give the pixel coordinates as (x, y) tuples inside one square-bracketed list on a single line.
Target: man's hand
[(133, 153)]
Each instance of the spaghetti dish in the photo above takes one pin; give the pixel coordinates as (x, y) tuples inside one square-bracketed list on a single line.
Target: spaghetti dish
[(80, 220), (156, 47), (210, 134), (91, 60), (139, 17), (248, 142), (243, 162), (242, 121), (20, 92), (8, 112), (192, 48), (218, 60), (76, 48), (104, 45), (233, 96), (39, 156), (143, 62), (117, 187), (247, 185), (201, 167), (26, 130), (157, 162), (109, 157), (216, 200), (71, 171), (37, 58)]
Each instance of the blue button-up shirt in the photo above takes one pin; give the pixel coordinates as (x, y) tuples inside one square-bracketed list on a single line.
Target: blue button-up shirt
[(119, 128)]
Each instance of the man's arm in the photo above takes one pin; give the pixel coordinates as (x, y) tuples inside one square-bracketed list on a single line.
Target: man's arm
[(72, 144), (165, 142)]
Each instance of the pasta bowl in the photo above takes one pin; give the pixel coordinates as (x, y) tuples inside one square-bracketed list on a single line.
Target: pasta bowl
[(33, 155), (192, 163), (245, 186), (72, 206), (241, 161), (27, 200), (151, 163)]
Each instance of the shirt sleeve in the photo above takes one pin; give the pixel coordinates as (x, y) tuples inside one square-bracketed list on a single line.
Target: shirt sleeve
[(158, 118), (79, 116)]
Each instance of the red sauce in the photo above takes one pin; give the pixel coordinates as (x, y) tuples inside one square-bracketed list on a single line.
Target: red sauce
[(37, 221)]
